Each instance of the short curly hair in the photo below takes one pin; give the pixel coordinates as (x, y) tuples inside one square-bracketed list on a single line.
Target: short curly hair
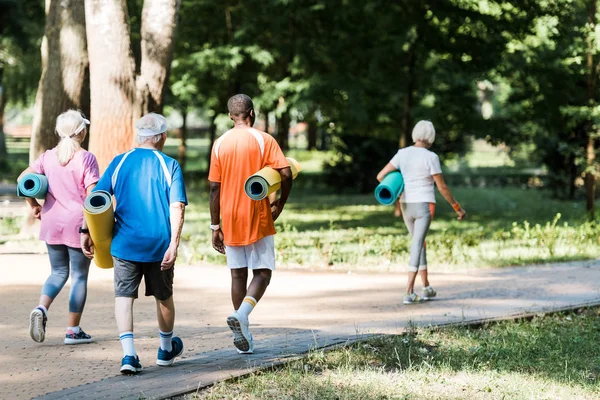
[(240, 105)]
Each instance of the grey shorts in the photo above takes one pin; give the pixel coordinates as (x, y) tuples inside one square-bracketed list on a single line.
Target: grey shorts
[(128, 275)]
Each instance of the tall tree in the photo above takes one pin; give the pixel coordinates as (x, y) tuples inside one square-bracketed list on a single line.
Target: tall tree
[(122, 89), (64, 68)]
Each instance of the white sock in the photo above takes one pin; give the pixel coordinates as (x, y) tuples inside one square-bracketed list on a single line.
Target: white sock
[(127, 343), (74, 329), (44, 309), (247, 306), (165, 340)]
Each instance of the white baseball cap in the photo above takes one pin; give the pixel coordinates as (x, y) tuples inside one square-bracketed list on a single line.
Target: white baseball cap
[(151, 124)]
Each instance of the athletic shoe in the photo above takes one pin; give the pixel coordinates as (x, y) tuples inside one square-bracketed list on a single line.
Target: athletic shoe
[(77, 338), (250, 350), (241, 333), (411, 299), (37, 324), (428, 293), (166, 358), (130, 365)]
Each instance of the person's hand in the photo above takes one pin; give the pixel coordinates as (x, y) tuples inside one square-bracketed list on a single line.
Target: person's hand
[(461, 214), (87, 245), (169, 257), (36, 211), (276, 209), (217, 241)]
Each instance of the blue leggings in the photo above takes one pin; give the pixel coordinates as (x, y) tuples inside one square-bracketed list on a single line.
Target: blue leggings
[(60, 258)]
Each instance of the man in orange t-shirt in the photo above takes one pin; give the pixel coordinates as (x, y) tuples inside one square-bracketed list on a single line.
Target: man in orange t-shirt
[(243, 229)]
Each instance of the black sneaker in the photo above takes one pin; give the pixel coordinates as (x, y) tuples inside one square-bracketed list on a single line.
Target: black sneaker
[(77, 338), (37, 324)]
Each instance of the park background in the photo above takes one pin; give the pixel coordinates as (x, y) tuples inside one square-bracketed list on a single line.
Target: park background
[(511, 87)]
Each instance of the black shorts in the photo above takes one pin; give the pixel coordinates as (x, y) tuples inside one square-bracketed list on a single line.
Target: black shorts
[(128, 275)]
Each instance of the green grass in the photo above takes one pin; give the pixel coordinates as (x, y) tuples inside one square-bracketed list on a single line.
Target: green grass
[(549, 357), (504, 227)]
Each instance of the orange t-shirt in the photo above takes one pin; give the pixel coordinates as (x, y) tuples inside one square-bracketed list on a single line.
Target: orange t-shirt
[(235, 156)]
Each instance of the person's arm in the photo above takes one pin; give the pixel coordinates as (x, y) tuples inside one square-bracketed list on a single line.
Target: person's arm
[(87, 245), (445, 191), (386, 170), (35, 206), (286, 188), (177, 211), (215, 216)]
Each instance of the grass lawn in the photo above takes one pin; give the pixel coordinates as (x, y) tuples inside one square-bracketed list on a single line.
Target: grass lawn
[(549, 357), (505, 226)]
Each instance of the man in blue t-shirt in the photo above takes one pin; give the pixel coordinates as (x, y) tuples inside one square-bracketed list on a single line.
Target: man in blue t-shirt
[(150, 203)]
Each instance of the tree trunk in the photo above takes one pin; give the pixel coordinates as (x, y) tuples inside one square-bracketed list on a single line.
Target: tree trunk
[(312, 134), (64, 71), (408, 99), (283, 129), (159, 24), (3, 151), (183, 137), (266, 122), (112, 79), (590, 174), (212, 131), (118, 96)]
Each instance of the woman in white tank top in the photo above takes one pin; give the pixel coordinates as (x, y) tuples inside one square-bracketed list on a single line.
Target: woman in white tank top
[(420, 169)]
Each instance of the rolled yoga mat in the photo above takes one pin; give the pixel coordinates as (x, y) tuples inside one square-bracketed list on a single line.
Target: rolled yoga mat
[(33, 185), (100, 219), (390, 188), (268, 180)]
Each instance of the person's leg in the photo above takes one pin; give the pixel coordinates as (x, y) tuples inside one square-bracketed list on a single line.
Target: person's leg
[(239, 281), (59, 263), (127, 278), (417, 218), (159, 284), (124, 318), (261, 259), (428, 291), (80, 268), (413, 263)]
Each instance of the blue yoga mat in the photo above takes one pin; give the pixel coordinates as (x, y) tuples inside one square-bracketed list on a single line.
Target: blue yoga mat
[(390, 188), (33, 185)]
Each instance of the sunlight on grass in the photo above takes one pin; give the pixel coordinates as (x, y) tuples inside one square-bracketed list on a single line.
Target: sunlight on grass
[(550, 357), (504, 227)]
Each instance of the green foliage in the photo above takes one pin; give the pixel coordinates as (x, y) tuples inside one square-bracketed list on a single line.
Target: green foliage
[(546, 90), (552, 356), (352, 166), (504, 227), (21, 31)]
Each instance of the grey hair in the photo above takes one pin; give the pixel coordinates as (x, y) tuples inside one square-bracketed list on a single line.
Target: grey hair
[(71, 129), (149, 139), (423, 131)]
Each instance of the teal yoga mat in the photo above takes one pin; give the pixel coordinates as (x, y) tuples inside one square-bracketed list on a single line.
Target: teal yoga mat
[(33, 185), (390, 188)]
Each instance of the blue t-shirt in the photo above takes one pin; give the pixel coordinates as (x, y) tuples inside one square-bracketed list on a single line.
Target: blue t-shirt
[(144, 182)]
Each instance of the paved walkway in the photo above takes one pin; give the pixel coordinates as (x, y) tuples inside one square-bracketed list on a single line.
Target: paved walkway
[(300, 311)]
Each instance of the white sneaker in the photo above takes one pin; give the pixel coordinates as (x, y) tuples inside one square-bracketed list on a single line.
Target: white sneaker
[(242, 339), (251, 350), (37, 325), (428, 293), (411, 299)]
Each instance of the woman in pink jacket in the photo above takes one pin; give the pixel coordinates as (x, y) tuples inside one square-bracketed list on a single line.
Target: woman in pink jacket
[(72, 173)]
